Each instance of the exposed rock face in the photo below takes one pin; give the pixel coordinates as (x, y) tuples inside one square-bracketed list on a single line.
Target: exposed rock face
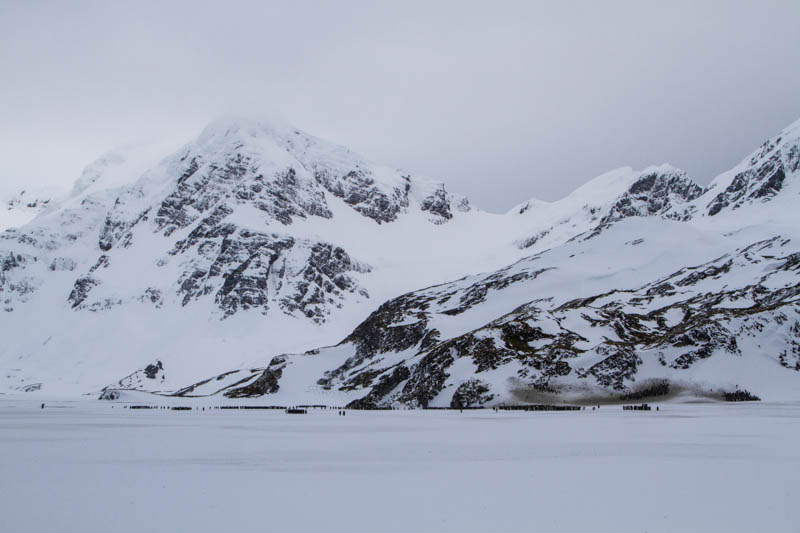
[(655, 194), (116, 227), (238, 180), (152, 370), (141, 379), (401, 326), (359, 190), (762, 177), (283, 197), (438, 203), (15, 284), (676, 328), (197, 192), (266, 383), (395, 324), (252, 270), (79, 294), (386, 384), (471, 393), (109, 394)]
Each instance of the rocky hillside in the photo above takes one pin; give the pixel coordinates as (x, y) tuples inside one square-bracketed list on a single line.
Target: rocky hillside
[(255, 241), (619, 342)]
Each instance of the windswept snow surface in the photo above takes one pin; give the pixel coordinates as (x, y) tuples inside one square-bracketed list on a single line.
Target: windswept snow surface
[(85, 466)]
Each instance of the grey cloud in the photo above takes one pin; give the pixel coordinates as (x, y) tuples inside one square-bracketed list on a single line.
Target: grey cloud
[(502, 100)]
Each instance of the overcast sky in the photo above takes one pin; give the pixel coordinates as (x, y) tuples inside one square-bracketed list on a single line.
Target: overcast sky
[(501, 100)]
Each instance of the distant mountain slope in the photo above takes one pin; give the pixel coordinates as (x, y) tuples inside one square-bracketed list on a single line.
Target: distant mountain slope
[(20, 208), (758, 178)]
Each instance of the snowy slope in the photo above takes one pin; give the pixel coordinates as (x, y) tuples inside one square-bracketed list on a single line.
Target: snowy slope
[(19, 208), (254, 240), (244, 241)]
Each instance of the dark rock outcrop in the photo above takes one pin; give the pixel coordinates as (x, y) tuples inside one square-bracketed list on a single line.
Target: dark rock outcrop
[(359, 190), (762, 179), (80, 291), (266, 383), (471, 393), (655, 194)]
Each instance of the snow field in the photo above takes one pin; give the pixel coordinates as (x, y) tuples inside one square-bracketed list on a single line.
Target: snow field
[(85, 466)]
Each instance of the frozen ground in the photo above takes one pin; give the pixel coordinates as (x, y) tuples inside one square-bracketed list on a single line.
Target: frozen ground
[(85, 466)]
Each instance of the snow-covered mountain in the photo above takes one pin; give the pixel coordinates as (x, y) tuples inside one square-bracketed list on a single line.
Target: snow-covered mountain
[(203, 272), (19, 208)]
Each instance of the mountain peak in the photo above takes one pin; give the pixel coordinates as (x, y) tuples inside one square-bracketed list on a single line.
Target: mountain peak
[(231, 126), (760, 176)]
